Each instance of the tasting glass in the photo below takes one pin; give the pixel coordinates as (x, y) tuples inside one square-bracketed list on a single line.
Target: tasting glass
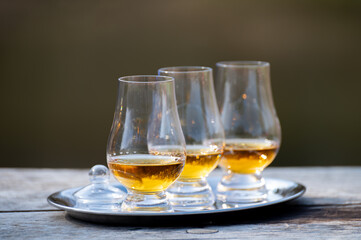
[(203, 132), (146, 147), (252, 129)]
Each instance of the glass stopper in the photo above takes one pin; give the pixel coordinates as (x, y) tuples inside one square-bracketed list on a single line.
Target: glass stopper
[(100, 194), (99, 174)]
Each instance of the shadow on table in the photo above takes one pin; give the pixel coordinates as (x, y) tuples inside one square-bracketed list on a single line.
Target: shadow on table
[(296, 212), (263, 215)]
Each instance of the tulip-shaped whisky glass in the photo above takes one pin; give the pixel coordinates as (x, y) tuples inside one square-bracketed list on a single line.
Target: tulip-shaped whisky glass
[(204, 136), (146, 147), (252, 129)]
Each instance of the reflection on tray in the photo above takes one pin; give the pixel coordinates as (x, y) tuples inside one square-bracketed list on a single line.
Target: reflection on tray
[(278, 191)]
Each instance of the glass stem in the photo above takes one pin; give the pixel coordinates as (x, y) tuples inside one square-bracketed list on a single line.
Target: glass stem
[(147, 202), (242, 188), (191, 194)]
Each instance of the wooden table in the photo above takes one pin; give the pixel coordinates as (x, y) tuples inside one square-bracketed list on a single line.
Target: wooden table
[(331, 208)]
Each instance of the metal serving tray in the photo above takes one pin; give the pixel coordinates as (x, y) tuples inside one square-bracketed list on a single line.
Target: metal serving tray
[(279, 191)]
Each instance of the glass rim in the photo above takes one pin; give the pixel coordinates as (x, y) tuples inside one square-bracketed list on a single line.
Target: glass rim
[(243, 64), (185, 69), (143, 79)]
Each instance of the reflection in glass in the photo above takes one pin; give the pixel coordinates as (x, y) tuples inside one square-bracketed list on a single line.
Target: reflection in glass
[(252, 129), (146, 148), (203, 134)]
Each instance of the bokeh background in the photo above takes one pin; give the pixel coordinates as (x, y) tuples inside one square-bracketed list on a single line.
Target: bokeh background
[(60, 60)]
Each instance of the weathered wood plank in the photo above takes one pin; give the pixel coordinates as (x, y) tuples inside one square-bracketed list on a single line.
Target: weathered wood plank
[(331, 208), (27, 189), (325, 185), (55, 225)]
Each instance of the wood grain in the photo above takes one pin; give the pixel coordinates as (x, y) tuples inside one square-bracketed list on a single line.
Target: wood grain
[(55, 225), (331, 208)]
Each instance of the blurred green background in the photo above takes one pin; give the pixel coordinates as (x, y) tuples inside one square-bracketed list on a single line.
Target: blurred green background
[(60, 60)]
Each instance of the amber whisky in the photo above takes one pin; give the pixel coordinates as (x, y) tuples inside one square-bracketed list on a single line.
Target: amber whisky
[(146, 173), (200, 161), (248, 156)]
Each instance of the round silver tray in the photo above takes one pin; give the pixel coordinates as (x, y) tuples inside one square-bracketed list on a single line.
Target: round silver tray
[(279, 191)]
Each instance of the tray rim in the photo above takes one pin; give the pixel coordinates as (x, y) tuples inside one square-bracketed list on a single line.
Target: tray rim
[(179, 213)]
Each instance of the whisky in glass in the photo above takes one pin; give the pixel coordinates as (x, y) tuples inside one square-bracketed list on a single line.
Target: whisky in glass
[(146, 147), (203, 133), (252, 129)]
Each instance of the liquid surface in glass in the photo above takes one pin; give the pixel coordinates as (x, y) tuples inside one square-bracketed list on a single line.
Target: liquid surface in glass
[(200, 161), (248, 156), (146, 173)]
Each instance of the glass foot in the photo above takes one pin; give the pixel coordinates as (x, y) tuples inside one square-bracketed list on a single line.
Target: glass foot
[(242, 188), (191, 195), (146, 202)]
